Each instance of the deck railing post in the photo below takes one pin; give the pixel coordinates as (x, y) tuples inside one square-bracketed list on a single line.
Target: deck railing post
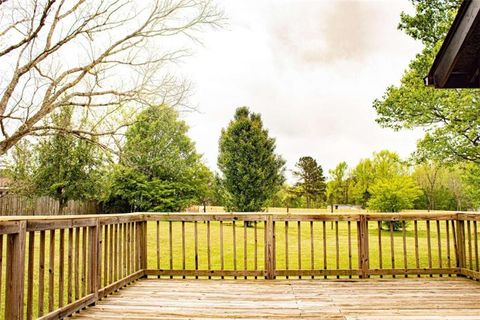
[(269, 248), (363, 252), (93, 266), (460, 254), (15, 273), (141, 244)]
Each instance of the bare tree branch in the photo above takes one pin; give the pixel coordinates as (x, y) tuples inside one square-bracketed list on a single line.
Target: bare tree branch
[(101, 56)]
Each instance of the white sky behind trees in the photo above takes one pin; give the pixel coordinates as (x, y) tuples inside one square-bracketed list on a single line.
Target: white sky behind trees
[(311, 68)]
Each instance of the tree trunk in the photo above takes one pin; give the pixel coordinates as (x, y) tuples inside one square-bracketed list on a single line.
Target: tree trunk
[(62, 204)]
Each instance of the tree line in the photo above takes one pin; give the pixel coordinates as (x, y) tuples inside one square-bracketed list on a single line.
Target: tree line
[(159, 169)]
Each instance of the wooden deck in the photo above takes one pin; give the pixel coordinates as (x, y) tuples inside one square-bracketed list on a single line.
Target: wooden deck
[(412, 298)]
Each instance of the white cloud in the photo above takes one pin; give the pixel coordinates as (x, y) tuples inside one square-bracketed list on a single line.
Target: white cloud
[(311, 68)]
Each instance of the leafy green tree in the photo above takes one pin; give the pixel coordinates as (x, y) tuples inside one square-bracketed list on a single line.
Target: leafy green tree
[(205, 191), (311, 180), (430, 177), (218, 191), (450, 117), (387, 164), (330, 194), (363, 176), (252, 171), (287, 197), (340, 183), (21, 169), (471, 180), (67, 168), (394, 195), (159, 168), (449, 187), (392, 188), (431, 21)]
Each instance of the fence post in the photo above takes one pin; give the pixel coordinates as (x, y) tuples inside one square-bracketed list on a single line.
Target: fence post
[(460, 254), (269, 248), (141, 244), (363, 252), (15, 283), (94, 249)]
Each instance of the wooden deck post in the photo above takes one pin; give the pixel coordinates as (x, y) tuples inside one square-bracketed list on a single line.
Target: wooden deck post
[(363, 252), (144, 245), (15, 273), (94, 250), (269, 248), (141, 244), (460, 254)]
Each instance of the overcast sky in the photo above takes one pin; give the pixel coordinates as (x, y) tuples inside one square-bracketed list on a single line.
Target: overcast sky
[(311, 68)]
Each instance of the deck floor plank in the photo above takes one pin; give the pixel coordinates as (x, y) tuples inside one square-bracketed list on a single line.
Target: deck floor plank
[(428, 299)]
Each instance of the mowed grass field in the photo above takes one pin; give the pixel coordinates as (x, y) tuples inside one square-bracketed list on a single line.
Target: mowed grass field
[(305, 249), (299, 257)]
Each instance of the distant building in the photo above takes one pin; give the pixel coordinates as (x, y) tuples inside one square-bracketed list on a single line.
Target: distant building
[(347, 207), (4, 185)]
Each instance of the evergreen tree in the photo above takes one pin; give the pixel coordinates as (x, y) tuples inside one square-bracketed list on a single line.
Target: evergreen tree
[(252, 171), (311, 180)]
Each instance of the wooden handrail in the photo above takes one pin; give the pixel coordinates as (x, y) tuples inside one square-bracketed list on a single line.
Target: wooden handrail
[(98, 254), (142, 216)]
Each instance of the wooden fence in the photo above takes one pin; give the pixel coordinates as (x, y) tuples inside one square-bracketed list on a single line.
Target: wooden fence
[(56, 266), (15, 205)]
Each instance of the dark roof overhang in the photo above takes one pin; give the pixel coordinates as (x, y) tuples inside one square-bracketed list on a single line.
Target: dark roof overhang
[(457, 64)]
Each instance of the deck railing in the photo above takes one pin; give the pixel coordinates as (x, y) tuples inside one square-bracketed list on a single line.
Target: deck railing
[(52, 267)]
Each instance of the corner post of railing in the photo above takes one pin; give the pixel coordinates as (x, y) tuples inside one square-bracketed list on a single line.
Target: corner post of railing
[(15, 273), (363, 252), (141, 243), (460, 254), (93, 267), (269, 248)]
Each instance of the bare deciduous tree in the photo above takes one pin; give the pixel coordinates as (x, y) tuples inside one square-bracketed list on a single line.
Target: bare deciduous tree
[(96, 55), (430, 177)]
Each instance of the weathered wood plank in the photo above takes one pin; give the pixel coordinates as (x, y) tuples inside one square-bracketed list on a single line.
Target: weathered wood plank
[(14, 273), (312, 249), (337, 249), (209, 253), (411, 298), (31, 258), (51, 271), (61, 268), (70, 266), (41, 274), (205, 273), (269, 250), (324, 238), (417, 259), (349, 246), (70, 308), (234, 241), (299, 247)]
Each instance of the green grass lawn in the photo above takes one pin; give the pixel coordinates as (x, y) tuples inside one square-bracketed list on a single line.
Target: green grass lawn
[(305, 247)]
